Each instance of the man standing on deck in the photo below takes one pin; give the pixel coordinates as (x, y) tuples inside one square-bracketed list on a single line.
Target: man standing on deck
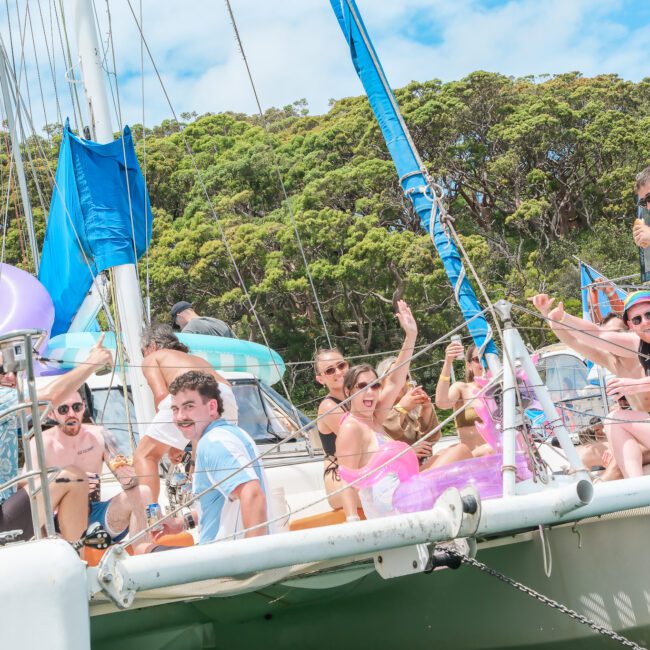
[(165, 358), (640, 231), (184, 316), (226, 460)]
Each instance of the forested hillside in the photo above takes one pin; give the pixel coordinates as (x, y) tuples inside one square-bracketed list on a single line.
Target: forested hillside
[(537, 171)]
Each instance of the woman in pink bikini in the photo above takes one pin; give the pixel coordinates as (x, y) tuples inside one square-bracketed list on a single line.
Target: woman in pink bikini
[(360, 431)]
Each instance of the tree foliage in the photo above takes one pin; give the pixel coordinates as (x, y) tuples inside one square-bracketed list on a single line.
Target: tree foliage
[(537, 171)]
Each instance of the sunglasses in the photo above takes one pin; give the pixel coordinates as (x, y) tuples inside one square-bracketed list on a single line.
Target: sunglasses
[(637, 320), (364, 384), (77, 407), (341, 366), (643, 202)]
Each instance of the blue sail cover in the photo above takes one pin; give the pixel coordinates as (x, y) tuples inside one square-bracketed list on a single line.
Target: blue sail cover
[(412, 178), (100, 217)]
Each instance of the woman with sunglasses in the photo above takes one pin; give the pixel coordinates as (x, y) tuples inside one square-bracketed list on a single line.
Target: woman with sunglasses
[(454, 396), (331, 367), (360, 431)]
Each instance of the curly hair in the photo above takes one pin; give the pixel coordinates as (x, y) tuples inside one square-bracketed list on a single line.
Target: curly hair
[(205, 385), (163, 336)]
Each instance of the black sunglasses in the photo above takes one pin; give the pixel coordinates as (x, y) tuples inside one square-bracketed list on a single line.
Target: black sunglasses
[(341, 365), (77, 407), (636, 320), (643, 202)]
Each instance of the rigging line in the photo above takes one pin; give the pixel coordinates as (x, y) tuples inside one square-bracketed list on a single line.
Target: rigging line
[(144, 173), (66, 66), (55, 187), (73, 82), (301, 431), (23, 62), (6, 215), (38, 74), (110, 45), (205, 192), (278, 172), (11, 38), (50, 59), (23, 134)]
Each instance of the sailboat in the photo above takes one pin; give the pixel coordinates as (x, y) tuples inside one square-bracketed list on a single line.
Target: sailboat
[(467, 573)]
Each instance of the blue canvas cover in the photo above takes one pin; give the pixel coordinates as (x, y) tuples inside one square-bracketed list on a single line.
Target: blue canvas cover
[(412, 178), (100, 207)]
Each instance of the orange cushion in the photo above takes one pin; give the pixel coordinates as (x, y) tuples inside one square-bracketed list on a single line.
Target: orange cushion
[(322, 519), (177, 539), (94, 555)]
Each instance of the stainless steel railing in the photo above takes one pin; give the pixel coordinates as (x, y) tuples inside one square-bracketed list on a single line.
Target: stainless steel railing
[(18, 357)]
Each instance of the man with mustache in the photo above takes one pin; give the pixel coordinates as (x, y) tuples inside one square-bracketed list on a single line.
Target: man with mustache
[(226, 460)]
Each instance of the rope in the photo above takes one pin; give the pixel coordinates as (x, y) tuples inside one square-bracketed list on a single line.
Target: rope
[(278, 172)]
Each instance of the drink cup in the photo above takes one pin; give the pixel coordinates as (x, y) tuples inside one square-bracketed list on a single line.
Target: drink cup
[(457, 338)]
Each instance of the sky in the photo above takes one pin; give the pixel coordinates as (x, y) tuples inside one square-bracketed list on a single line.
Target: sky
[(295, 49)]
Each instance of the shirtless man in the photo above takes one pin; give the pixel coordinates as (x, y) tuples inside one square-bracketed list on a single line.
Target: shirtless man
[(166, 358), (69, 489), (72, 443), (628, 431)]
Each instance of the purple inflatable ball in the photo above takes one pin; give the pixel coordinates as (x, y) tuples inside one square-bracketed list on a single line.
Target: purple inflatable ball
[(24, 302)]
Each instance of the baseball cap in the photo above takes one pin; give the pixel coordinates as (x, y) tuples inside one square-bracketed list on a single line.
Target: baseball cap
[(178, 308), (632, 299)]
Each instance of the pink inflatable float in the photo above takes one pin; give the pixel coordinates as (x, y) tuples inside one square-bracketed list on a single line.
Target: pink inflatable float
[(24, 302), (417, 490)]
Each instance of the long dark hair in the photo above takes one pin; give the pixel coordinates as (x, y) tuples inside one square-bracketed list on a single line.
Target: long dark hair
[(469, 373), (163, 336)]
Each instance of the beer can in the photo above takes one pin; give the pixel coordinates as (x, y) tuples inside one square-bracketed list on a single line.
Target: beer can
[(154, 513), (94, 494)]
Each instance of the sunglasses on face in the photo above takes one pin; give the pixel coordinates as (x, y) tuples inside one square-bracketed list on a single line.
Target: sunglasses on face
[(643, 202), (341, 366), (364, 384), (77, 407), (636, 320)]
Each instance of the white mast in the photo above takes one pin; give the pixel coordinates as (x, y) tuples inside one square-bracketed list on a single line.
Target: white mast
[(127, 287), (15, 148)]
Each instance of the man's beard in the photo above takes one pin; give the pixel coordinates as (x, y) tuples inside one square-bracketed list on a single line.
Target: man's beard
[(71, 430)]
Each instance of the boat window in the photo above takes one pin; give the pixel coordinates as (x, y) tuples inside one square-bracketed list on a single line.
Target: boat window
[(109, 410), (565, 376), (283, 414), (253, 416)]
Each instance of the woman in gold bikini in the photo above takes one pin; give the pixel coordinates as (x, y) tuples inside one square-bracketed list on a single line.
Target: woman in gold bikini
[(459, 393)]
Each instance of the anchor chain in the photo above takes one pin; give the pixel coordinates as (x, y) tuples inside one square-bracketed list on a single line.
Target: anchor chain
[(465, 559)]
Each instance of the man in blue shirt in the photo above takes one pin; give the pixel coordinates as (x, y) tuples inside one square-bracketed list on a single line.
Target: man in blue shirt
[(226, 461)]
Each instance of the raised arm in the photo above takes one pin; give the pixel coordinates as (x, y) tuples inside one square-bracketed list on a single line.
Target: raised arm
[(592, 351), (62, 386), (447, 395), (395, 381), (621, 344)]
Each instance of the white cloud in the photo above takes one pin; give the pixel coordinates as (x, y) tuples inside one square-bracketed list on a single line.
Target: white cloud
[(295, 48)]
